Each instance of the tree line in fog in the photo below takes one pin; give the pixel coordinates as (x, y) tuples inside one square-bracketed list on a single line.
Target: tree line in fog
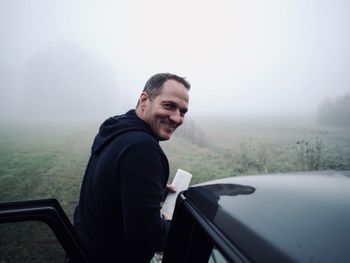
[(193, 133), (335, 111)]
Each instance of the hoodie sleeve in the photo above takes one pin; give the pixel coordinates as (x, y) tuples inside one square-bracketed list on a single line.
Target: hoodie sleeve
[(143, 176)]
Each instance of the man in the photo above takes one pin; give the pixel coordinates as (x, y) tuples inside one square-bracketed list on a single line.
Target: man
[(118, 217)]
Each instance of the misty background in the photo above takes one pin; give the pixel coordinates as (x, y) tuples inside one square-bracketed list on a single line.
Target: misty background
[(63, 60)]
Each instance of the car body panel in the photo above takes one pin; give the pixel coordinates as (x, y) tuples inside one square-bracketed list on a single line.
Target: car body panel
[(299, 217)]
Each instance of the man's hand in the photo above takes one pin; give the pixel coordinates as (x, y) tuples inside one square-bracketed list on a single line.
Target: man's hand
[(166, 216), (170, 188)]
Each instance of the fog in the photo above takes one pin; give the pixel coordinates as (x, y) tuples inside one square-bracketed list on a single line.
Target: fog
[(90, 59)]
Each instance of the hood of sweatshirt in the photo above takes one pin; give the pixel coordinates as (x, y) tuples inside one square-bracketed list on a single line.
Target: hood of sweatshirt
[(117, 125)]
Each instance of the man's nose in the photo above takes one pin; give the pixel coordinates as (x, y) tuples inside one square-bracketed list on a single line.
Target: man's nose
[(176, 117)]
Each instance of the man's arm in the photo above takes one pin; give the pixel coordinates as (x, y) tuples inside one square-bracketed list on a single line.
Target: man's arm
[(142, 181)]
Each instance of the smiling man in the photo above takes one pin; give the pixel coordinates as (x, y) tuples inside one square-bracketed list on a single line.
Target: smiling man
[(118, 217), (163, 109)]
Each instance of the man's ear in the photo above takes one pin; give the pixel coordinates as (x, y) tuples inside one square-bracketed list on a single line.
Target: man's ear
[(144, 99)]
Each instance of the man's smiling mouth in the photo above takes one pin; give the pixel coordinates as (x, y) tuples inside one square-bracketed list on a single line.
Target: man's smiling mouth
[(169, 126)]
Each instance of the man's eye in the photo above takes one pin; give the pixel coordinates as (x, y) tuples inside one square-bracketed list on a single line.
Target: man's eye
[(168, 106)]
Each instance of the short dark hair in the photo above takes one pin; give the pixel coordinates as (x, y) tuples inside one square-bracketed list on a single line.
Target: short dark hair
[(155, 83)]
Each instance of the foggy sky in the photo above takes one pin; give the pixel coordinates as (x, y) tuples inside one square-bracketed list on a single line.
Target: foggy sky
[(91, 58)]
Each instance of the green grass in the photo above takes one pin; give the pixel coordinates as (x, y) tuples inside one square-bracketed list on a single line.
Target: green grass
[(48, 161), (37, 163)]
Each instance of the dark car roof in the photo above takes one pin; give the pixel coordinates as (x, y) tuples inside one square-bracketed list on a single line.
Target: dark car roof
[(300, 217)]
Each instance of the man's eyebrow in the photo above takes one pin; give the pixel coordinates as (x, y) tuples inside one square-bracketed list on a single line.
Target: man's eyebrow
[(169, 101), (173, 103)]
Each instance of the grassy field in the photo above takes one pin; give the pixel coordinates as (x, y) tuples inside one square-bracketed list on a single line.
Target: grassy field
[(48, 161)]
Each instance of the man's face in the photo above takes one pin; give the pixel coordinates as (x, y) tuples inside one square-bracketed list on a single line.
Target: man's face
[(167, 111)]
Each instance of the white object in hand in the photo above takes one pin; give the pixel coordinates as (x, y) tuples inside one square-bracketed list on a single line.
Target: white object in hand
[(181, 182)]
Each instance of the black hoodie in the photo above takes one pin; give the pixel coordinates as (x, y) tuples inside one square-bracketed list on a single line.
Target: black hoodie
[(118, 216)]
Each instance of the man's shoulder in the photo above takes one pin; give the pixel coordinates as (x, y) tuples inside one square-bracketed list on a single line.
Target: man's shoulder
[(138, 139), (139, 136), (141, 145)]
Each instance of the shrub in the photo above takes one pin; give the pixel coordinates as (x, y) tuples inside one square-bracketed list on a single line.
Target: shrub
[(309, 154)]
